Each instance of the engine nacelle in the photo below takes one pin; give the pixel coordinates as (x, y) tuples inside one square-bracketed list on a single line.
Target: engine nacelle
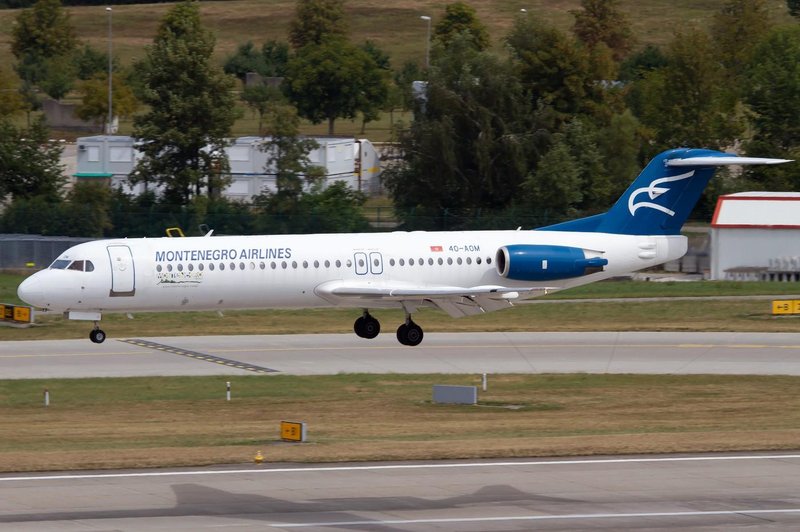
[(524, 262)]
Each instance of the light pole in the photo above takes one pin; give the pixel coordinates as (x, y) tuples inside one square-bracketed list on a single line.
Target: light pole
[(110, 125), (427, 19)]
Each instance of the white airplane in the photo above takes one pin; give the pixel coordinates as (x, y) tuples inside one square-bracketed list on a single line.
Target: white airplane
[(460, 272)]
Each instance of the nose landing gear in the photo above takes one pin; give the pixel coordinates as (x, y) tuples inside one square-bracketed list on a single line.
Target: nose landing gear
[(97, 336)]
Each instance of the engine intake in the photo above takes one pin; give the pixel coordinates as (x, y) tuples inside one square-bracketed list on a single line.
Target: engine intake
[(524, 262)]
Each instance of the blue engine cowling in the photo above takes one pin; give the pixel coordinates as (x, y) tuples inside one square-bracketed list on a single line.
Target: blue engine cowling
[(524, 262)]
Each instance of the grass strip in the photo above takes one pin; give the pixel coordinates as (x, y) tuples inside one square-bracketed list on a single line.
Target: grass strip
[(155, 422)]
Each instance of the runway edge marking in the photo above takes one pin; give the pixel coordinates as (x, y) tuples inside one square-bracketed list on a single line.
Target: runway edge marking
[(590, 461)]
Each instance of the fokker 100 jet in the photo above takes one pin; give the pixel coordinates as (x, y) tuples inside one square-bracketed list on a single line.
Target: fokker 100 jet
[(460, 272)]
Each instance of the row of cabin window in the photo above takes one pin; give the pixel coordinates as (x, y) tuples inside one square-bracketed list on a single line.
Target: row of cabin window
[(284, 265)]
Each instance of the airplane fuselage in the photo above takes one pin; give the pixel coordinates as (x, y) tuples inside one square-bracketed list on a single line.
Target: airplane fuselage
[(292, 271)]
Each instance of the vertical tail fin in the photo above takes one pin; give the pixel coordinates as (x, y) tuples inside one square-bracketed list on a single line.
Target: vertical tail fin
[(660, 200)]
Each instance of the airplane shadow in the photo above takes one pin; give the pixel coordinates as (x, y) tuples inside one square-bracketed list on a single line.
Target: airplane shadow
[(198, 500)]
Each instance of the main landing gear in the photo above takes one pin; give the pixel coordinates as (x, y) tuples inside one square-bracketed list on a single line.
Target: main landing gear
[(366, 326), (97, 335), (409, 333)]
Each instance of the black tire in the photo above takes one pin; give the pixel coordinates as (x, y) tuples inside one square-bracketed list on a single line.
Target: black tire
[(97, 336), (413, 334), (358, 327), (402, 333), (370, 328)]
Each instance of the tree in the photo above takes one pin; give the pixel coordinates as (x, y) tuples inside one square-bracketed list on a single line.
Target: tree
[(11, 101), (315, 21), (555, 70), (29, 162), (89, 62), (794, 7), (246, 59), (461, 18), (737, 29), (556, 186), (260, 98), (687, 102), (287, 152), (333, 80), (601, 21), (473, 144), (42, 32), (191, 110), (94, 103)]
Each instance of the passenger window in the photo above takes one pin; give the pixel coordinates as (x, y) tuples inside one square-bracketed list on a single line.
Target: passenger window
[(402, 262), (440, 261), (391, 262), (221, 266), (316, 264), (252, 265), (233, 265), (327, 264), (410, 262), (284, 265), (241, 265), (305, 264), (430, 262), (469, 260), (200, 267), (169, 267), (488, 260), (159, 268), (338, 264), (449, 260), (191, 267), (262, 265), (294, 264), (478, 260), (211, 266), (459, 261), (76, 265), (273, 265), (349, 263), (180, 267)]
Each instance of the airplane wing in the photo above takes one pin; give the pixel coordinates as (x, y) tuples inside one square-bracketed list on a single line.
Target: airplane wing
[(457, 301)]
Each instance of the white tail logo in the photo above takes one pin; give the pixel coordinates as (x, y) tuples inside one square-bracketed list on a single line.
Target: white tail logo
[(653, 191)]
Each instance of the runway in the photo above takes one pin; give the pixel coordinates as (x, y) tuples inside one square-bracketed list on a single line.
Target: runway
[(711, 492), (468, 353)]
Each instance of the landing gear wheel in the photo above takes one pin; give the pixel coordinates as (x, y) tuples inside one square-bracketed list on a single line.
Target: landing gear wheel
[(97, 336), (409, 334), (367, 327)]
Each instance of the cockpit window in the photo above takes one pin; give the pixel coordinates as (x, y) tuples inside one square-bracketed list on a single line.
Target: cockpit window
[(76, 265), (59, 264)]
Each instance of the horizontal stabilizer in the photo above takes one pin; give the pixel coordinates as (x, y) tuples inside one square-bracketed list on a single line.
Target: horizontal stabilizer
[(723, 161)]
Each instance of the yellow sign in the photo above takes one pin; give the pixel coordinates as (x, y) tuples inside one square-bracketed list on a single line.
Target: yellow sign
[(15, 313), (293, 431), (786, 306)]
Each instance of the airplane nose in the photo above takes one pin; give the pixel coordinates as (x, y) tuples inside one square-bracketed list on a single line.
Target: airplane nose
[(30, 291)]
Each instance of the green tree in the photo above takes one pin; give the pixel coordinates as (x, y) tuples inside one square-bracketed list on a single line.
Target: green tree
[(11, 100), (89, 62), (260, 98), (316, 21), (737, 29), (794, 7), (287, 152), (41, 32), (688, 103), (333, 80), (94, 102), (555, 70), (471, 146), (460, 18), (772, 94), (556, 187), (59, 77), (191, 110), (246, 59), (602, 22), (88, 212), (29, 162)]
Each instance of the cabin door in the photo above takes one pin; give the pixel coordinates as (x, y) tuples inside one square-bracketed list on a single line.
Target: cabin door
[(123, 274)]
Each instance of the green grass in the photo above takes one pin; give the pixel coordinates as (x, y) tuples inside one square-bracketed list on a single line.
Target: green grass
[(138, 422), (619, 315)]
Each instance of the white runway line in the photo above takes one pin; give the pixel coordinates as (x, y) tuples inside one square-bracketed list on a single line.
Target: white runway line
[(741, 513), (324, 469)]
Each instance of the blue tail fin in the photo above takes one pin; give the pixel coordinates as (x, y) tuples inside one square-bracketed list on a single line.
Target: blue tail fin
[(660, 199)]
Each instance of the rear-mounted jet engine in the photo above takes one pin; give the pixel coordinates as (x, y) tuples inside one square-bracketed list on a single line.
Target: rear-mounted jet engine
[(545, 263)]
